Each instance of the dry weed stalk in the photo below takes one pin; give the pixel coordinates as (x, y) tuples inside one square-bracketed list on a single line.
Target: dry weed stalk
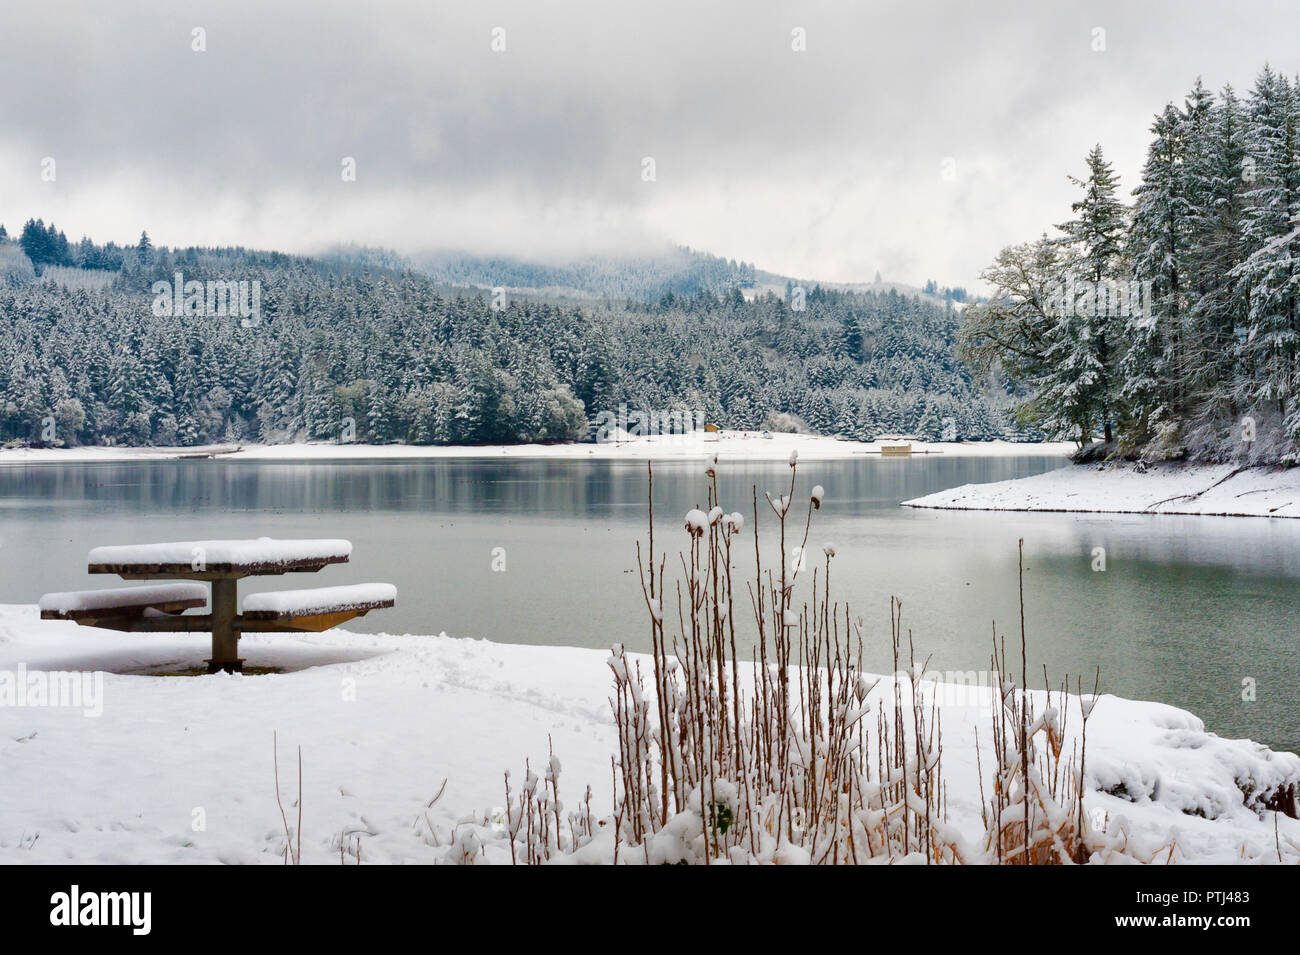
[(799, 761), (292, 846)]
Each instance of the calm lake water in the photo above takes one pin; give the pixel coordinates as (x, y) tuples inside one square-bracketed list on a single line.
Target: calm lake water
[(1186, 608)]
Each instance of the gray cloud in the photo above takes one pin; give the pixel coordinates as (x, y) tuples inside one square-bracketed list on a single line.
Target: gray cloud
[(823, 164)]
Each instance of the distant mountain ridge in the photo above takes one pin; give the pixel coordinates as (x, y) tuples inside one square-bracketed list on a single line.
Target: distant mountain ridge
[(648, 277), (677, 270)]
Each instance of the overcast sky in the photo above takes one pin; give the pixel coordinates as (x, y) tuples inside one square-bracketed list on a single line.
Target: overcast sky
[(823, 163)]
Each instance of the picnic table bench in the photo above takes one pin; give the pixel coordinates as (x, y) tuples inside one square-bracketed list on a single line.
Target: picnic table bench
[(160, 608)]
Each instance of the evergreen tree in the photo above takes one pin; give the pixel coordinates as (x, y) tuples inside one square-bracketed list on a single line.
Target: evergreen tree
[(1215, 191), (1153, 390), (1094, 245), (144, 251), (1269, 277)]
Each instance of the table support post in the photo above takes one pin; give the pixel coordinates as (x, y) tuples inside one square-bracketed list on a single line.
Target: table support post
[(225, 639)]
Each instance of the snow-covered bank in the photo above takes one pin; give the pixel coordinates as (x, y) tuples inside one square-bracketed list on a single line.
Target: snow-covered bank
[(735, 445), (1222, 490), (86, 454), (179, 769)]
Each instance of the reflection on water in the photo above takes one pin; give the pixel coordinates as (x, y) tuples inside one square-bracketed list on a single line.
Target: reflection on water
[(1186, 609)]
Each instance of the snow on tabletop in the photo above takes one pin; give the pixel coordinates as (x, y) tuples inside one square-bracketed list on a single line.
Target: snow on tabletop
[(320, 599), (69, 601), (263, 550)]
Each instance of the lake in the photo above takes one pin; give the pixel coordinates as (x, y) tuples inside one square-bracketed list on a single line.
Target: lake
[(1184, 611)]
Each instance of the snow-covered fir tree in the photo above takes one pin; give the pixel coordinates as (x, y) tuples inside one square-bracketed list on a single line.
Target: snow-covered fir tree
[(1214, 234)]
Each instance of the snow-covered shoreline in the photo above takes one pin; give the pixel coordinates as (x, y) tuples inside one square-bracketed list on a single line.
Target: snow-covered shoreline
[(735, 445), (179, 769), (1213, 490)]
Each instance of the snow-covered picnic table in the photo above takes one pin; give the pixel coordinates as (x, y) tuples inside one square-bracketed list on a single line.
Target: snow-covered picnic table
[(161, 608)]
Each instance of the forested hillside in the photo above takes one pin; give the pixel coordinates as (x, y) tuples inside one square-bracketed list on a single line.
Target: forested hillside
[(406, 363), (1169, 327)]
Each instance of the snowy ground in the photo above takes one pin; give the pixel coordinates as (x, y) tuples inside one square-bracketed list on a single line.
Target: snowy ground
[(179, 768), (1164, 489), (749, 445)]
